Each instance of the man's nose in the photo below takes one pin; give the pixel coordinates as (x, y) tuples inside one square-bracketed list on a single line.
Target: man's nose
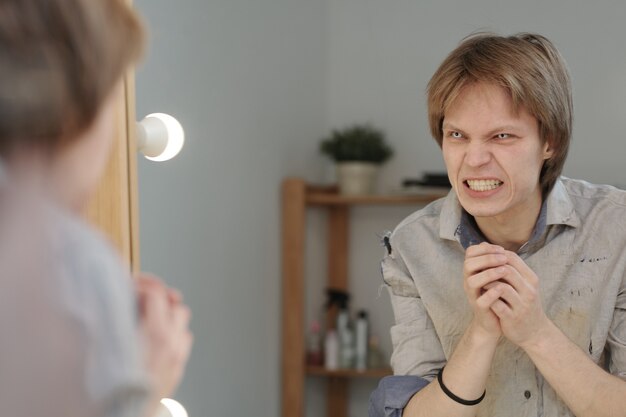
[(478, 154)]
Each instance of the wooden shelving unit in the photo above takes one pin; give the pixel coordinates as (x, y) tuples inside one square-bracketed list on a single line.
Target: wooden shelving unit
[(347, 373), (297, 197)]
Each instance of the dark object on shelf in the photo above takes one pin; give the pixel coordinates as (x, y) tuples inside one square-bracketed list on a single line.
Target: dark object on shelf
[(337, 297), (429, 179)]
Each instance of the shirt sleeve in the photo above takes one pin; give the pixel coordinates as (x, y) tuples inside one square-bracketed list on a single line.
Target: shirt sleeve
[(417, 353), (392, 395), (416, 346), (616, 340), (99, 297)]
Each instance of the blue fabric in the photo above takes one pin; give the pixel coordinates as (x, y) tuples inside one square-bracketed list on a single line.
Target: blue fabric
[(392, 395), (469, 233)]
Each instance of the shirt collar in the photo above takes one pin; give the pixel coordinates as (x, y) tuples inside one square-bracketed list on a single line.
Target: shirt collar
[(456, 224), (560, 207), (450, 216)]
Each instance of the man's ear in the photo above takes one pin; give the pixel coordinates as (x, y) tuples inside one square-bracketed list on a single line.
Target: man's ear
[(548, 149)]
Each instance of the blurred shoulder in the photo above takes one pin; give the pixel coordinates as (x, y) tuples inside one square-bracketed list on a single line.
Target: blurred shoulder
[(86, 260)]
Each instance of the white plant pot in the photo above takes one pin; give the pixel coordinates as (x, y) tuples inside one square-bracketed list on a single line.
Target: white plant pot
[(356, 178)]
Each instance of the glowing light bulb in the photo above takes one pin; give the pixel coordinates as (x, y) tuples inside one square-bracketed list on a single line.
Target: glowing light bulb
[(160, 137), (174, 408)]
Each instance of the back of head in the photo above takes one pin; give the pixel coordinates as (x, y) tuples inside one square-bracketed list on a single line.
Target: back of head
[(530, 68), (59, 60)]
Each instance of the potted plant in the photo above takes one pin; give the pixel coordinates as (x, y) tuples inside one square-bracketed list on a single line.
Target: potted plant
[(358, 152)]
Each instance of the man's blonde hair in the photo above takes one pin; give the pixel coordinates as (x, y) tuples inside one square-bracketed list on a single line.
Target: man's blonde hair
[(530, 68), (59, 61)]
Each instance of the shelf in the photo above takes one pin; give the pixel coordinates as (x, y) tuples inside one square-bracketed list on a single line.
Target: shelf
[(334, 199), (348, 373), (297, 195)]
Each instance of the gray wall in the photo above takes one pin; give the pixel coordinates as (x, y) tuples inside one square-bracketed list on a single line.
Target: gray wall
[(256, 83), (246, 80), (383, 53)]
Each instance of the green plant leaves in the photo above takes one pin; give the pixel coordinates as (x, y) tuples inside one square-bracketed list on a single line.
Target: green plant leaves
[(361, 142)]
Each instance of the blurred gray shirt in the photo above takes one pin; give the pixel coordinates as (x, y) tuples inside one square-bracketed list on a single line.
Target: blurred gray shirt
[(69, 343)]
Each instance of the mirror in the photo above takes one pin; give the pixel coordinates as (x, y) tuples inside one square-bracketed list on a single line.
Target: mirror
[(256, 84)]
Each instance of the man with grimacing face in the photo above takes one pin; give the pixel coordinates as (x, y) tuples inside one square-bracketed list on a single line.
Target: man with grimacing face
[(509, 294)]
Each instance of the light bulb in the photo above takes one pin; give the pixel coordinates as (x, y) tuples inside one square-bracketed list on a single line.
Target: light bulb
[(160, 137), (174, 408)]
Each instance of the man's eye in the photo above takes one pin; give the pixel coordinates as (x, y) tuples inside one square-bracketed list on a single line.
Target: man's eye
[(456, 135), (503, 136)]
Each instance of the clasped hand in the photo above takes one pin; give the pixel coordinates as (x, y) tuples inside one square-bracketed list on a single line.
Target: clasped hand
[(164, 326), (504, 293)]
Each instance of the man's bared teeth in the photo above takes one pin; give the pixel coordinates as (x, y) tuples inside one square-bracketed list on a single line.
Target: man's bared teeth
[(483, 185)]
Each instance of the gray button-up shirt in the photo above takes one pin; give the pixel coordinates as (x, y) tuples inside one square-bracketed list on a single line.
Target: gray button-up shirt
[(578, 251)]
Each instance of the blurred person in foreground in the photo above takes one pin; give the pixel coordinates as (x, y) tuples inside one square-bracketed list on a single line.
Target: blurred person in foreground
[(509, 294), (79, 336)]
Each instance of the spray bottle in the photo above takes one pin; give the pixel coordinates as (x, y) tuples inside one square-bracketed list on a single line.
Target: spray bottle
[(344, 332)]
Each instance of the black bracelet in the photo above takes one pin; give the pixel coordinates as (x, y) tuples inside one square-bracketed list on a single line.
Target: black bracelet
[(454, 397)]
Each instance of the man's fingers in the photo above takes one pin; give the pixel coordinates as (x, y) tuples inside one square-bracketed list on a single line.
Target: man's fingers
[(147, 278), (482, 279), (488, 297), (501, 309), (174, 296), (181, 316), (500, 297), (483, 249), (473, 266), (154, 303), (522, 268), (147, 282)]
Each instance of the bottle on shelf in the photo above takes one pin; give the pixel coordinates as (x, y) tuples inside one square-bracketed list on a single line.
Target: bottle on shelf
[(297, 198), (314, 354), (346, 340), (338, 299), (345, 330), (362, 330), (331, 350)]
